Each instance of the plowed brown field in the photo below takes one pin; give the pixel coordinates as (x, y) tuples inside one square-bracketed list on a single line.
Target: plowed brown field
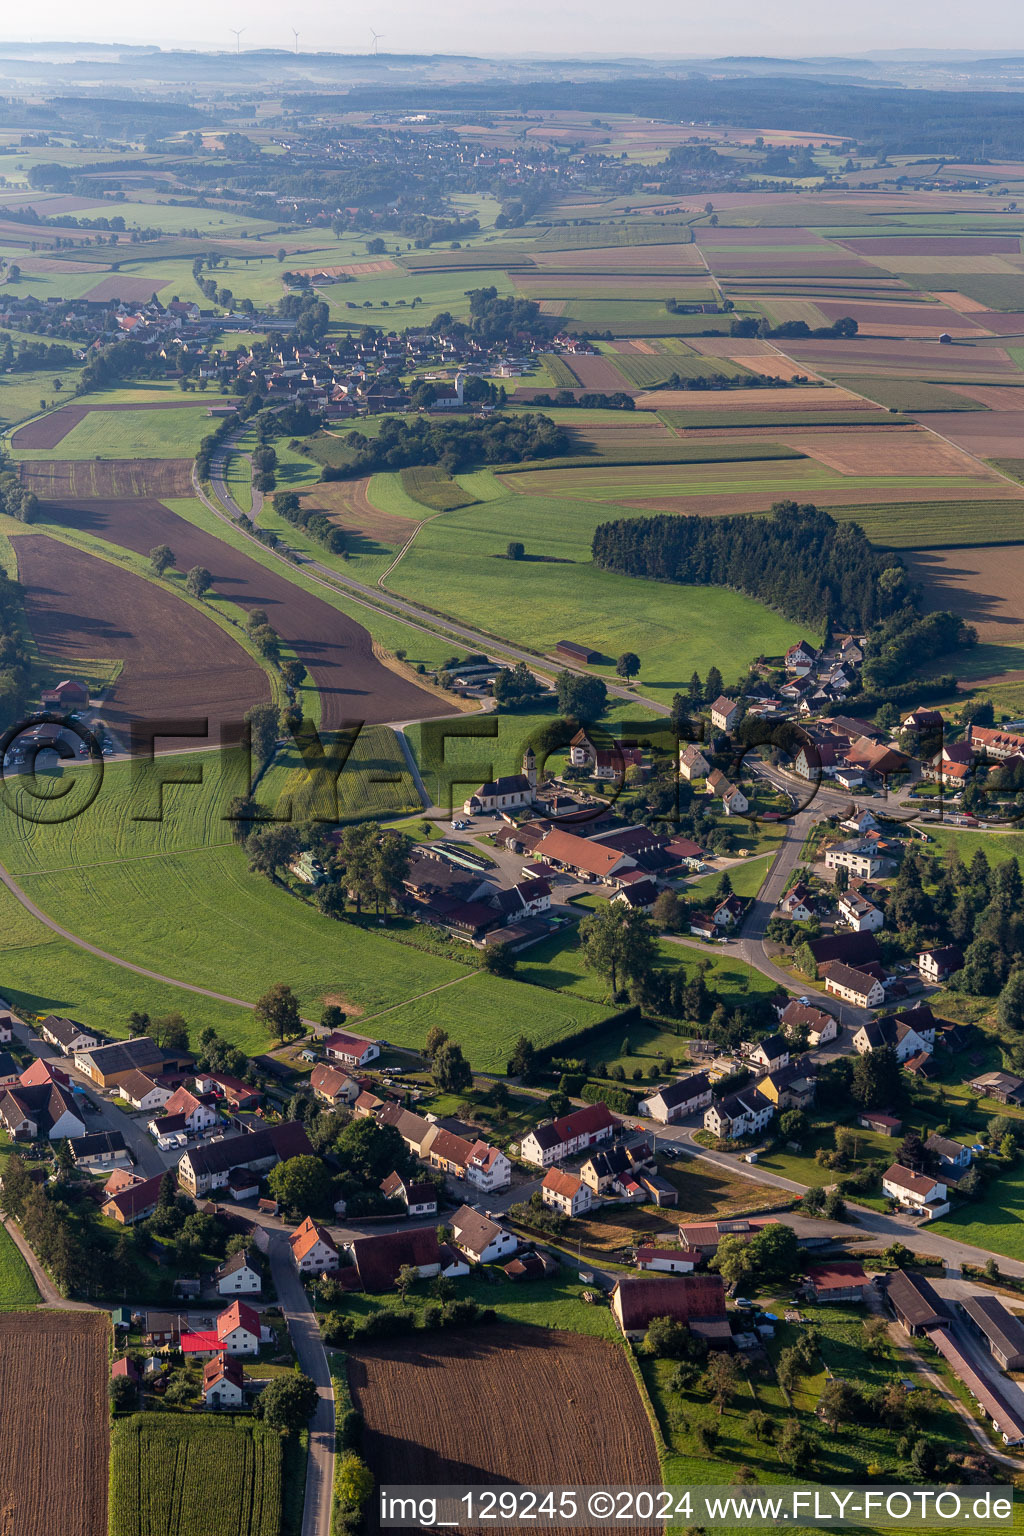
[(567, 1407), (55, 479), (598, 373), (54, 1448), (983, 586)]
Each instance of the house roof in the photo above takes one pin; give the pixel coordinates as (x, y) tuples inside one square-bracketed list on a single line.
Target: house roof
[(137, 1198), (136, 1085), (581, 1122), (680, 1297), (1000, 1326), (123, 1055), (306, 1237), (474, 1230), (239, 1315), (579, 852), (409, 1125), (97, 1143), (200, 1342), (341, 1040), (237, 1261), (562, 1183), (286, 1140), (65, 1030), (796, 1014), (920, 1184), (378, 1259), (773, 1045), (328, 1080), (944, 1146), (838, 1276), (723, 705), (683, 1089), (223, 1368), (914, 1298), (847, 976)]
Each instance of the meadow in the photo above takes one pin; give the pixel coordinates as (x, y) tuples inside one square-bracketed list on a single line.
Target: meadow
[(17, 1288), (374, 781), (935, 524), (128, 434)]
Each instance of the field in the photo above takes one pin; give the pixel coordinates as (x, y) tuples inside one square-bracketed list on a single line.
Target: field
[(168, 429), (430, 1402), (164, 1468), (69, 479), (936, 524), (908, 394), (984, 586), (53, 1453), (17, 1288), (433, 488), (374, 781), (352, 683), (645, 372), (178, 664)]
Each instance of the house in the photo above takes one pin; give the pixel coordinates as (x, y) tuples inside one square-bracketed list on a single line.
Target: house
[(69, 694), (771, 1052), (108, 1065), (859, 858), (734, 801), (313, 1248), (821, 1027), (200, 1112), (480, 1239), (677, 1100), (134, 1203), (954, 1158), (909, 1033), (121, 1178), (1001, 1330), (693, 764), (937, 965), (485, 1167), (508, 792), (852, 986), (417, 1132), (859, 913), (638, 896), (667, 1261), (419, 1199), (350, 1050), (528, 898), (618, 1170), (790, 1087), (206, 1168), (223, 1383), (101, 1150), (332, 1086), (125, 1367), (692, 1299), (919, 1193), (143, 1092), (232, 1090), (47, 1110), (238, 1275), (10, 1072), (725, 713), (989, 742), (7, 1022), (875, 757), (563, 1192), (68, 1035), (366, 1104), (884, 1125), (914, 1302), (803, 654), (1001, 1086), (729, 912), (704, 926), (582, 856), (163, 1327), (238, 1329), (40, 1072), (741, 1114), (378, 1260), (555, 1140), (922, 720), (242, 1185), (797, 903), (838, 1281), (684, 851)]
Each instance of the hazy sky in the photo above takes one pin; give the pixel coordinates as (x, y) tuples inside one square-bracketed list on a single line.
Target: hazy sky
[(785, 27)]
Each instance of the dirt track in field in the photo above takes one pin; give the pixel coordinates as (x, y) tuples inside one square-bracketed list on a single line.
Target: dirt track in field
[(47, 431), (54, 1448), (835, 496), (336, 651), (178, 664), (62, 479), (566, 1408)]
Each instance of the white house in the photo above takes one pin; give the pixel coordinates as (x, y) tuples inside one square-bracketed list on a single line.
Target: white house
[(861, 915), (68, 1035), (919, 1193), (796, 903), (909, 1033), (677, 1100), (693, 764), (479, 1238), (558, 1139), (238, 1329), (771, 1053), (860, 859), (350, 1050), (741, 1114), (725, 712), (935, 965), (563, 1192), (821, 1027), (142, 1092), (237, 1276), (853, 986), (199, 1116), (734, 801), (223, 1383), (667, 1261), (313, 1249)]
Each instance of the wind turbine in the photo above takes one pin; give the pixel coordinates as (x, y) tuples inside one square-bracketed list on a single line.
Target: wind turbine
[(376, 39), (296, 36), (238, 37)]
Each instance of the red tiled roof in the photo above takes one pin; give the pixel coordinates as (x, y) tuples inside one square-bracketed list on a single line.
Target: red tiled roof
[(238, 1315), (562, 1183), (378, 1259), (837, 1277), (681, 1297)]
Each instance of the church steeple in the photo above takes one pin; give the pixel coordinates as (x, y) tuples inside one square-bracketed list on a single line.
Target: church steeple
[(530, 767)]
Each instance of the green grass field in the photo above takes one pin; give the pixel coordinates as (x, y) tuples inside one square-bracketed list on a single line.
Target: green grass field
[(644, 317), (165, 1467), (935, 524), (647, 372), (17, 1288), (374, 781), (166, 434), (537, 602), (907, 394), (752, 416), (432, 487), (20, 393), (992, 1221)]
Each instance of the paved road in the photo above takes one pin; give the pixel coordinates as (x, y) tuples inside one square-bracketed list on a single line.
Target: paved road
[(305, 1335)]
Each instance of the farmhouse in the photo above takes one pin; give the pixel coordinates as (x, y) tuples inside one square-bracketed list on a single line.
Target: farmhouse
[(350, 1050), (134, 1203), (555, 1140), (790, 1087), (47, 1110), (618, 1170), (109, 1065), (563, 1192), (741, 1114), (821, 1027), (581, 856), (1001, 1330), (937, 965), (528, 898), (143, 1092), (68, 1035), (479, 1238), (223, 1383), (853, 986), (208, 1167), (988, 742), (1001, 1086), (198, 1114), (725, 713), (417, 1132), (697, 1300), (954, 1158), (379, 1259), (909, 1033), (313, 1248), (238, 1276), (332, 1086), (238, 1329), (485, 1167), (69, 694), (919, 1193), (418, 1199), (232, 1090), (677, 1100)]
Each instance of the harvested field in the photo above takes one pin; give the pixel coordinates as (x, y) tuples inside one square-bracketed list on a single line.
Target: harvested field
[(596, 372), (710, 504), (996, 397), (667, 259), (934, 245), (953, 266), (53, 1452), (134, 289), (910, 394), (177, 663), (899, 451), (928, 359), (984, 586), (356, 269), (429, 1403), (730, 346), (913, 320), (337, 651), (765, 399), (1002, 322), (47, 431), (646, 372), (59, 479), (961, 302), (989, 434), (346, 503)]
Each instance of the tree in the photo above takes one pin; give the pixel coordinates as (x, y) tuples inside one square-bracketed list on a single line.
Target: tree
[(450, 1069), (287, 1404), (294, 673), (667, 1339), (616, 942), (170, 1031), (761, 1426), (734, 1262), (198, 581), (264, 730), (713, 686), (775, 1252), (436, 1037), (913, 1154), (161, 559), (353, 1480), (515, 550), (272, 848), (406, 1278), (332, 1017), (18, 1186), (278, 1011), (1010, 1007), (875, 1082), (515, 686), (668, 911), (793, 1124), (628, 665), (838, 1403), (795, 1446), (302, 1185), (521, 1062), (720, 1379), (500, 960), (124, 1394), (582, 697)]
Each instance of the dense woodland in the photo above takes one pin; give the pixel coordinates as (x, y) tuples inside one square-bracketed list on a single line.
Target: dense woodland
[(456, 444)]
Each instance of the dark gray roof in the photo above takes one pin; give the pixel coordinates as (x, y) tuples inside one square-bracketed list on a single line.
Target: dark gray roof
[(287, 1140), (683, 1089), (914, 1298), (999, 1326), (98, 1142)]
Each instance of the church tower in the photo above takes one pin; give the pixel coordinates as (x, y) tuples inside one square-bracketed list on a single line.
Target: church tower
[(530, 767)]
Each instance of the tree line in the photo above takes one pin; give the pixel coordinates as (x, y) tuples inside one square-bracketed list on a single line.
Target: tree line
[(456, 444)]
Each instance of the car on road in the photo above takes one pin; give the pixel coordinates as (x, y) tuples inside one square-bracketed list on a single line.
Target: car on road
[(459, 826)]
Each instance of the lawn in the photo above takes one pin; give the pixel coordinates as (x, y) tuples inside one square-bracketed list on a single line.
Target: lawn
[(557, 593), (992, 1221), (746, 879), (21, 393), (553, 1303), (17, 1288)]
